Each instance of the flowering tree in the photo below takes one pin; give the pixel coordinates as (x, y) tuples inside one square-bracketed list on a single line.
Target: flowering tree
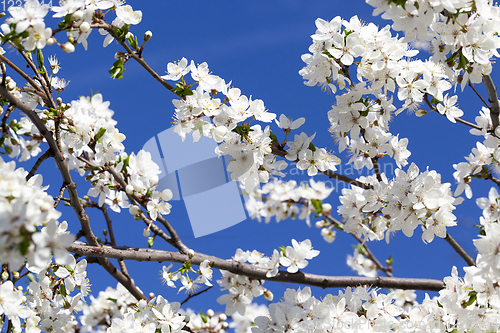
[(374, 76)]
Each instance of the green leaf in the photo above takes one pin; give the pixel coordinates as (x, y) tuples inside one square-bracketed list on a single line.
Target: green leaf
[(117, 70), (41, 61), (472, 298), (462, 62), (311, 147), (62, 290), (389, 261), (66, 22), (203, 317), (133, 43), (151, 240), (283, 250), (114, 300), (243, 130), (273, 137), (318, 206), (99, 134), (121, 32)]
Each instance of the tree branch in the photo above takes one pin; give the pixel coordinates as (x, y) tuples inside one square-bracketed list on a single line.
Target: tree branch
[(39, 161), (493, 99), (254, 272), (459, 250)]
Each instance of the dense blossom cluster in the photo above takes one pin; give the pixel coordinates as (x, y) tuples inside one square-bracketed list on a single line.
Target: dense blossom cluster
[(227, 120)]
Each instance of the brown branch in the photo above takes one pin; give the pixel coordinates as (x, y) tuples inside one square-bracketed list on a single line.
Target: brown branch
[(254, 272), (6, 116), (39, 161), (20, 72), (133, 54), (493, 99), (459, 250), (71, 186)]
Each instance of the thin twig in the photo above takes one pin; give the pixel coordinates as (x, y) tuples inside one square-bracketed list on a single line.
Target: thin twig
[(196, 294), (175, 239), (5, 117), (20, 72), (369, 253), (459, 250), (478, 95), (39, 161), (140, 60), (60, 196), (457, 119), (104, 211)]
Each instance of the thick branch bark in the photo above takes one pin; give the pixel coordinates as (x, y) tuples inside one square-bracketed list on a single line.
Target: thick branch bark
[(253, 272), (493, 99)]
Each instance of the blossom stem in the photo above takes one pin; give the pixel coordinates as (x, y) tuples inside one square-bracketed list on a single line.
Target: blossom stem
[(254, 272)]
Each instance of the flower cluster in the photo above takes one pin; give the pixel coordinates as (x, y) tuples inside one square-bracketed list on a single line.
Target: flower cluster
[(462, 33), (284, 200), (242, 289), (409, 200), (227, 120), (29, 224), (182, 274)]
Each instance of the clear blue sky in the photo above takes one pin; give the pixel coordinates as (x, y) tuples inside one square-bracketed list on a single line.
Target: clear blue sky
[(257, 45)]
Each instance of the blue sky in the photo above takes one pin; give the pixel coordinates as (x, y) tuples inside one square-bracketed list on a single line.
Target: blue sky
[(257, 45)]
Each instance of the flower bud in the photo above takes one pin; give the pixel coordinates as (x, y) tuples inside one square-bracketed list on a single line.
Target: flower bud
[(219, 133), (222, 317), (5, 275), (11, 85), (146, 232), (77, 16), (85, 27), (268, 295), (147, 35), (59, 100), (129, 34), (151, 295), (191, 253), (225, 325), (15, 275), (320, 224), (68, 47), (327, 208), (166, 195), (134, 210), (210, 313), (50, 41), (129, 189)]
